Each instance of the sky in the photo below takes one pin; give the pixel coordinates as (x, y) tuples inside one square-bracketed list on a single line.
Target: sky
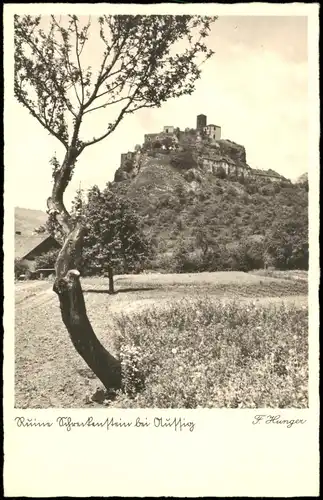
[(255, 87)]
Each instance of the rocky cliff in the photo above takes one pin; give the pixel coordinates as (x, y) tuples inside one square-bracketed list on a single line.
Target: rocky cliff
[(197, 156)]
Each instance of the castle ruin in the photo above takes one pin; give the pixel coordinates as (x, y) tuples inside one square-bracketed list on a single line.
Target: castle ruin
[(212, 152)]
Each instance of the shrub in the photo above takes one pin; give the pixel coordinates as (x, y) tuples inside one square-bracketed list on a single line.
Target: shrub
[(245, 257), (20, 268), (215, 259), (181, 258), (183, 160), (200, 353), (47, 260), (186, 260), (287, 241), (162, 263), (220, 173), (128, 165), (251, 187)]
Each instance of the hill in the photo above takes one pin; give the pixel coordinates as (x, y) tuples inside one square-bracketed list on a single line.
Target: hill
[(204, 207), (192, 202), (27, 220)]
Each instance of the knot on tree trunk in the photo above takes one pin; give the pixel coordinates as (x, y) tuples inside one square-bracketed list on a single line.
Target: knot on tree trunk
[(68, 282)]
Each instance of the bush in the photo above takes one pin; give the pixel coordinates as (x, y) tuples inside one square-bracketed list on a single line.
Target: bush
[(251, 187), (162, 263), (183, 160), (200, 353), (128, 165), (181, 258), (287, 241), (47, 260), (267, 190), (215, 260), (186, 260), (245, 257), (20, 268), (220, 173)]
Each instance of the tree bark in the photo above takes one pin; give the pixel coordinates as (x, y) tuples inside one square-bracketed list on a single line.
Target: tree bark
[(68, 288), (111, 284), (102, 363)]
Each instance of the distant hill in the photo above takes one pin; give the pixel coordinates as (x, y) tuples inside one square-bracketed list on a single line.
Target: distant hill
[(27, 220)]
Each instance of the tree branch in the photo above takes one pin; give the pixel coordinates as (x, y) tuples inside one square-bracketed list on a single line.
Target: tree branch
[(122, 113), (69, 107), (103, 75), (43, 123), (111, 129), (106, 104), (78, 59), (67, 60)]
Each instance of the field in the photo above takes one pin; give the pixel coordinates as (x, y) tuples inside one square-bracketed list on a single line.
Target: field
[(226, 339)]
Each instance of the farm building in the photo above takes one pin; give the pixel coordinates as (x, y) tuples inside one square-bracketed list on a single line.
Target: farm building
[(28, 247)]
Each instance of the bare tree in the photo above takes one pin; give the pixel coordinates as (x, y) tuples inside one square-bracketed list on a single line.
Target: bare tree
[(145, 61)]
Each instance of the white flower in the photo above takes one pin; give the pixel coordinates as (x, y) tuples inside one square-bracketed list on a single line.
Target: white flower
[(174, 351)]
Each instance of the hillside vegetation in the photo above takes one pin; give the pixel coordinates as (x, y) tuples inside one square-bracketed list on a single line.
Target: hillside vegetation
[(26, 220), (214, 222), (201, 221)]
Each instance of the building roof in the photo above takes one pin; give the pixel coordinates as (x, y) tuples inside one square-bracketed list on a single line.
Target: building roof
[(212, 125), (24, 245), (257, 171), (265, 173), (273, 173)]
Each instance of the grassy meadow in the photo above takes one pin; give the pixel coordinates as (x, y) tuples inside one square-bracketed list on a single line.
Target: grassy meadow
[(208, 340)]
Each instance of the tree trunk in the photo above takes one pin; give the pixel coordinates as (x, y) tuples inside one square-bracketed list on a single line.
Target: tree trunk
[(111, 284), (125, 265), (73, 310), (68, 288)]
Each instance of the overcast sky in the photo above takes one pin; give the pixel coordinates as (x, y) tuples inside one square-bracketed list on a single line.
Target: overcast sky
[(254, 87)]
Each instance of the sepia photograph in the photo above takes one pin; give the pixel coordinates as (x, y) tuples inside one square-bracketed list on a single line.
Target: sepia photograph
[(161, 250), (161, 211)]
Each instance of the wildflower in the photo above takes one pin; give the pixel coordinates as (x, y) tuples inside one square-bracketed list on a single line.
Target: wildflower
[(174, 351)]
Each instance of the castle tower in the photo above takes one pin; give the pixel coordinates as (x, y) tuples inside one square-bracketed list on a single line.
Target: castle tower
[(201, 121)]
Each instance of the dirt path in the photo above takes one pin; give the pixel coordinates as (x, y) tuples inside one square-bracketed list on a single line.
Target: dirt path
[(36, 300)]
